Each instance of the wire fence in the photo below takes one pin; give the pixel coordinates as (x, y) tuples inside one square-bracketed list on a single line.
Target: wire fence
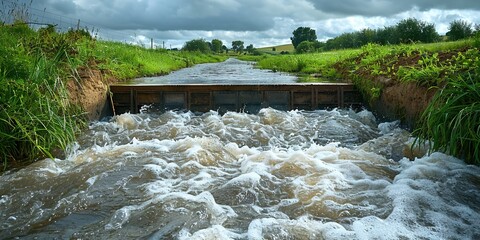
[(12, 10)]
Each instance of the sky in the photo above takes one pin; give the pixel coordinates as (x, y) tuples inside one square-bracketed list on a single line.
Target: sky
[(263, 23)]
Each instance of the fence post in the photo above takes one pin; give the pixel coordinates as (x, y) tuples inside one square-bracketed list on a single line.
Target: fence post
[(151, 43), (78, 25)]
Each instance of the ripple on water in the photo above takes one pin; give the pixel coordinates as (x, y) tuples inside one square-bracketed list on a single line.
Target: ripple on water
[(242, 176)]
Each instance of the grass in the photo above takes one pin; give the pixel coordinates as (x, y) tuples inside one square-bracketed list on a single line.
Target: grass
[(36, 118), (278, 49), (125, 61), (450, 122), (319, 63)]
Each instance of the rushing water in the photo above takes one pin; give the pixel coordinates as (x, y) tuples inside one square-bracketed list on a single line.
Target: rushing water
[(273, 175), (232, 71), (335, 174)]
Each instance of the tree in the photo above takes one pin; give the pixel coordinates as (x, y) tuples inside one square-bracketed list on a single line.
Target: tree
[(366, 36), (250, 48), (237, 46), (412, 30), (305, 47), (197, 45), (303, 34), (319, 46), (429, 34), (387, 35), (217, 45), (225, 48), (459, 29)]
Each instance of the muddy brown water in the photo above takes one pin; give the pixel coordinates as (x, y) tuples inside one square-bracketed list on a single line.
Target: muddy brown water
[(325, 174)]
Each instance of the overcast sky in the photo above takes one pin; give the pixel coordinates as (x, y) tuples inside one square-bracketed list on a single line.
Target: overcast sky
[(258, 22)]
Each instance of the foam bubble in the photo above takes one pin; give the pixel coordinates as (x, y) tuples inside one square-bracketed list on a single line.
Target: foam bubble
[(127, 121), (214, 232)]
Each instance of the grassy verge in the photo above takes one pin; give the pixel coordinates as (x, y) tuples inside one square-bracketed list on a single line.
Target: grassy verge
[(452, 120), (125, 61), (321, 64), (36, 118)]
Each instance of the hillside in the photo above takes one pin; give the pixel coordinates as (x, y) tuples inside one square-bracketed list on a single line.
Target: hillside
[(278, 49)]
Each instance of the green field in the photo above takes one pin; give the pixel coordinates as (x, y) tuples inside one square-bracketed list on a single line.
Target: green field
[(278, 49)]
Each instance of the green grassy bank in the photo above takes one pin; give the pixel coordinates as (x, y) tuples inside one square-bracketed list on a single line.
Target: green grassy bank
[(451, 121), (37, 119)]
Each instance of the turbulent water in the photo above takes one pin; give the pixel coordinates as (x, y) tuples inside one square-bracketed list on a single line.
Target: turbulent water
[(232, 71), (272, 175)]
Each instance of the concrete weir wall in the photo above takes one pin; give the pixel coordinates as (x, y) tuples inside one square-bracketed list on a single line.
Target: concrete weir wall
[(247, 98)]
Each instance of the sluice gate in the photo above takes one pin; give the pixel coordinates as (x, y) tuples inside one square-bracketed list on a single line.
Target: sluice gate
[(247, 98)]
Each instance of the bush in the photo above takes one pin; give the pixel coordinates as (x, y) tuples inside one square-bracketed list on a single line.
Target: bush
[(199, 45), (305, 47), (459, 29)]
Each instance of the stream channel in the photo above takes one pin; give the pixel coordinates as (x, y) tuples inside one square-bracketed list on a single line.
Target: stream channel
[(324, 174)]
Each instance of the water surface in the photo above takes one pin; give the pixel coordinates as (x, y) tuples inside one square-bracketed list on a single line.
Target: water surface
[(231, 71), (273, 175), (335, 174)]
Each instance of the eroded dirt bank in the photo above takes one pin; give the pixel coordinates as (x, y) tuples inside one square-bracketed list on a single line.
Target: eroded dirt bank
[(401, 85), (403, 101), (90, 92)]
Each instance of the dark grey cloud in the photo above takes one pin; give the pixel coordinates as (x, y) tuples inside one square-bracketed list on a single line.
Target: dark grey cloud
[(389, 7), (260, 22), (164, 15), (64, 6)]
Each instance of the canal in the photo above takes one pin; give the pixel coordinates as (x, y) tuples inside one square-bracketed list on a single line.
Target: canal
[(322, 174)]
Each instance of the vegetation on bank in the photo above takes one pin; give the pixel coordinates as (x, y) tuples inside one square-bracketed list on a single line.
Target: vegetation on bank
[(451, 121), (36, 118)]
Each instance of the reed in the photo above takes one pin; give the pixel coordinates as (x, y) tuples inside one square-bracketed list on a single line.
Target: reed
[(36, 118), (451, 122)]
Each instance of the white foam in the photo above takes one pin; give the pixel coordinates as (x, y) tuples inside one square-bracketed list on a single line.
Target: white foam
[(219, 213), (127, 121), (119, 218), (4, 199), (251, 179), (388, 127), (300, 190), (212, 233)]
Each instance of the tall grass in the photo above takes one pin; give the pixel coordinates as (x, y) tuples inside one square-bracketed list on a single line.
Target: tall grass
[(36, 118), (320, 63), (452, 120), (126, 61)]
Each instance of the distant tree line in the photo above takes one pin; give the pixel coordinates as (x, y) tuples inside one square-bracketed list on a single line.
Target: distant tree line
[(407, 31), (216, 46)]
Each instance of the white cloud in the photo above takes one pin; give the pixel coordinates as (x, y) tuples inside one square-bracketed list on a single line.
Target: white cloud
[(260, 22)]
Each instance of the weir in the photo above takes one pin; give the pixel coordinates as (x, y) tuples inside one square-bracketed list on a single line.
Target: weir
[(248, 97)]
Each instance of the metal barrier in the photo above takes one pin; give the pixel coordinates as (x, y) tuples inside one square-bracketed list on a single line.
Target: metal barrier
[(247, 98)]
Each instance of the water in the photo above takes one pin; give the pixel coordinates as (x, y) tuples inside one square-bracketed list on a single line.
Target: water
[(232, 71), (272, 175)]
